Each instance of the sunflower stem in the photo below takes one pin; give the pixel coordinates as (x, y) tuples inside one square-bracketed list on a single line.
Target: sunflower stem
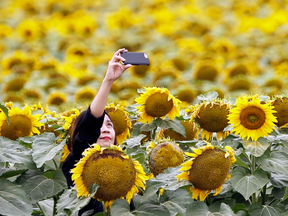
[(107, 211), (253, 168)]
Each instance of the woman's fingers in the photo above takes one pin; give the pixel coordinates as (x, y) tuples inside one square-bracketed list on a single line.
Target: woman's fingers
[(117, 57)]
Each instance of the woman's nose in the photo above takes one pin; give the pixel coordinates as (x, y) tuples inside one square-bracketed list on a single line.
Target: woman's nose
[(104, 129)]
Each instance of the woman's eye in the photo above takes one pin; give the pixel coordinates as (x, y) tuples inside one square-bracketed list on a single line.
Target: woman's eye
[(109, 125)]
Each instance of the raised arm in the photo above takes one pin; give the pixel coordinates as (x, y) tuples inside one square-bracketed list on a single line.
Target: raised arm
[(114, 71)]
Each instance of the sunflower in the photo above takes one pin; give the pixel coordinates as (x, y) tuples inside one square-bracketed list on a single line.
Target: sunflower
[(239, 83), (206, 70), (85, 93), (212, 118), (31, 94), (163, 155), (77, 52), (14, 84), (252, 119), (65, 153), (22, 123), (13, 97), (280, 105), (121, 121), (207, 170), (186, 94), (56, 98), (140, 71), (30, 29), (117, 175), (69, 118), (157, 102), (18, 58)]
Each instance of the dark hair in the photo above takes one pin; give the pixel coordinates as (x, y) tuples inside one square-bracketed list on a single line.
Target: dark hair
[(74, 128)]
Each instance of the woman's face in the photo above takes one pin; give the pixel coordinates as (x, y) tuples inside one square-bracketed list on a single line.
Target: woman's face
[(107, 133)]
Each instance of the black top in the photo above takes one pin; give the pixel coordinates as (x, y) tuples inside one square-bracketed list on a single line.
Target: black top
[(86, 133)]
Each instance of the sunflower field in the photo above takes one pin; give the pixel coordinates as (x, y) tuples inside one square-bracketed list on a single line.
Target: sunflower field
[(201, 131)]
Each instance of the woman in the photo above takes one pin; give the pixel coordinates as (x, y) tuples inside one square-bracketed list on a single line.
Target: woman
[(94, 125)]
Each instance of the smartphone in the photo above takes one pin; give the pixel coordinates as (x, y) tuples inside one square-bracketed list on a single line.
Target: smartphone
[(135, 58)]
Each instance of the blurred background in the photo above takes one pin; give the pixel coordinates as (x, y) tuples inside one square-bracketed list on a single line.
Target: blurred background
[(56, 53)]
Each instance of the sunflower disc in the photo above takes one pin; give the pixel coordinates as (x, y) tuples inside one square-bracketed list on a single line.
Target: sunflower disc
[(210, 170), (114, 174), (164, 155)]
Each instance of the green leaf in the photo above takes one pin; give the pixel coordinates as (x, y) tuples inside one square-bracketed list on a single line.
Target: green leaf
[(139, 127), (247, 184), (177, 201), (10, 172), (198, 208), (151, 209), (286, 194), (171, 124), (38, 187), (5, 110), (240, 162), (166, 180), (13, 200), (279, 180), (256, 148), (135, 141), (69, 203), (225, 210), (11, 151), (45, 149), (257, 209), (274, 162), (209, 96), (47, 207), (121, 207)]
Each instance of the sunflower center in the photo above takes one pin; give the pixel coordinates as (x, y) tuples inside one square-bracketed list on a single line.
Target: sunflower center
[(20, 126), (114, 174), (213, 117), (119, 120), (165, 155), (209, 170), (252, 117), (281, 108), (158, 105)]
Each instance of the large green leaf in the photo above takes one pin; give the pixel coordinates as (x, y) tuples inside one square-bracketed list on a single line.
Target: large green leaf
[(279, 180), (176, 201), (10, 172), (256, 148), (257, 209), (166, 180), (70, 204), (151, 209), (45, 148), (198, 208), (11, 151), (121, 207), (38, 187), (171, 124), (246, 183), (47, 207), (13, 200), (274, 162)]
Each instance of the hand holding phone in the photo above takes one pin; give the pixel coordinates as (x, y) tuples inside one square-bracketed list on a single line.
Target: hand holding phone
[(135, 58)]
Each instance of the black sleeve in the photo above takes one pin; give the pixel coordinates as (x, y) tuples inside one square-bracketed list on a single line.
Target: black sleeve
[(87, 133)]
